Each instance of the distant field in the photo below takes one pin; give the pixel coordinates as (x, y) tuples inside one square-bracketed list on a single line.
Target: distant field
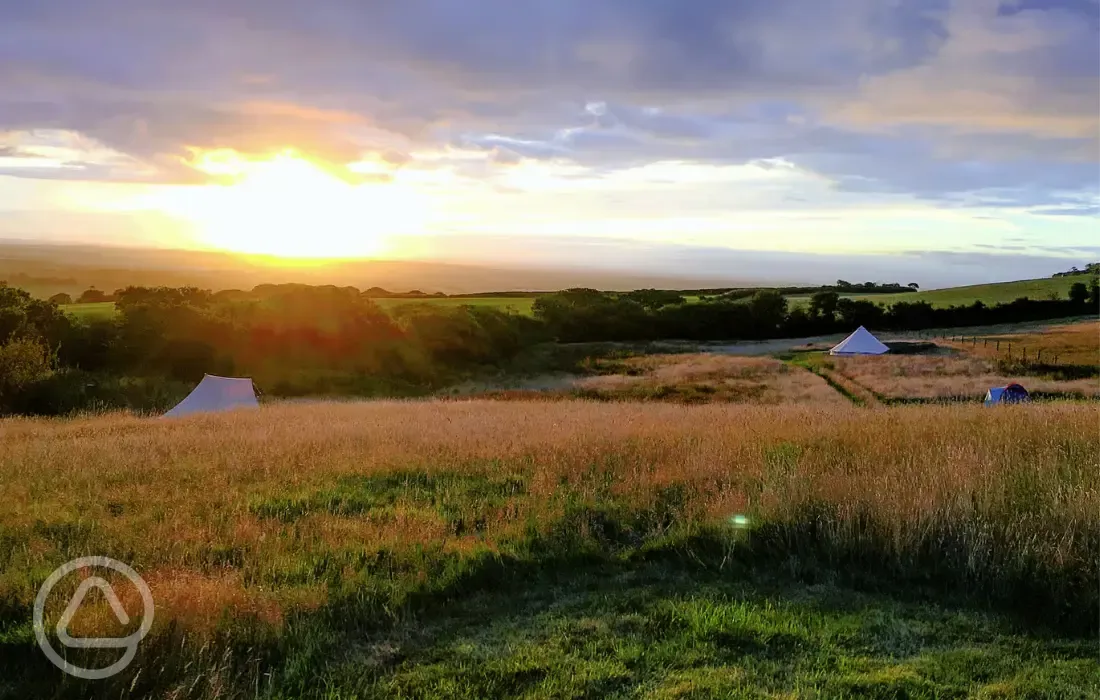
[(520, 305), (988, 294), (99, 309)]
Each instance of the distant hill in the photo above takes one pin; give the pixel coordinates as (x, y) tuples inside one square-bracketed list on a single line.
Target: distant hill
[(986, 293), (45, 270), (1092, 269)]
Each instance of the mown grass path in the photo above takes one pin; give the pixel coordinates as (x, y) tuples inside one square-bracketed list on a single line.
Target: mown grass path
[(851, 390)]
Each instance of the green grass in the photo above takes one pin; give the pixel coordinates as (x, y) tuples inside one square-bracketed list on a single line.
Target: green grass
[(989, 294), (669, 630), (99, 309), (520, 305), (691, 617)]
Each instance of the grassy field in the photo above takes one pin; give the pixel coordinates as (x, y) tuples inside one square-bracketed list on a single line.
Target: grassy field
[(568, 549), (99, 309), (966, 370), (706, 378), (945, 377), (1074, 343), (988, 294), (520, 305)]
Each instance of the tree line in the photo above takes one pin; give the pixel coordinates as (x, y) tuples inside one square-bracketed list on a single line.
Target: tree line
[(580, 315), (1090, 269), (324, 340)]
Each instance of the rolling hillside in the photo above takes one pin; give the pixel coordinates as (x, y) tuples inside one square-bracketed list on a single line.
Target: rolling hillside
[(986, 293)]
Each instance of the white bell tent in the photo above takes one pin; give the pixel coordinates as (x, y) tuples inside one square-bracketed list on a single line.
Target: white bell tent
[(861, 342), (217, 394)]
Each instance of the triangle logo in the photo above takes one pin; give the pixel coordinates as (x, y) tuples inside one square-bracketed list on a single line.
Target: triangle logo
[(70, 611)]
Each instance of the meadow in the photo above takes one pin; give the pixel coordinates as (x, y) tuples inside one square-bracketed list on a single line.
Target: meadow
[(94, 310), (1068, 344), (988, 294), (704, 378), (579, 549), (520, 305), (946, 377)]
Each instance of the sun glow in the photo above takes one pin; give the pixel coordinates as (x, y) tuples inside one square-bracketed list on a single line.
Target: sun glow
[(288, 207)]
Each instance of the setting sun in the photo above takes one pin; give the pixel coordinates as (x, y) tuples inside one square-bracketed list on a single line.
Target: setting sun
[(288, 207)]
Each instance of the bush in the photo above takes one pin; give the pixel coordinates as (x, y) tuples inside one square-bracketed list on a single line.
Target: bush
[(23, 362), (73, 391)]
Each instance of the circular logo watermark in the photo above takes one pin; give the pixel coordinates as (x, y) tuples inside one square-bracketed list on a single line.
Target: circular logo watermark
[(129, 642)]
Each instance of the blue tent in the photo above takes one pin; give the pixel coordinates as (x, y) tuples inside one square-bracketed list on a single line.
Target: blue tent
[(1013, 393)]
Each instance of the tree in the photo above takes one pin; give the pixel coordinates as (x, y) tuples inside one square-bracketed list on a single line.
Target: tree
[(843, 284), (22, 316), (914, 286), (22, 362), (1079, 293), (1094, 293), (823, 305), (91, 296), (654, 298), (768, 308), (61, 299), (860, 313)]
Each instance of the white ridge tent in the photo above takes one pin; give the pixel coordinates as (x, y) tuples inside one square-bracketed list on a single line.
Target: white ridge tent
[(217, 394), (861, 342)]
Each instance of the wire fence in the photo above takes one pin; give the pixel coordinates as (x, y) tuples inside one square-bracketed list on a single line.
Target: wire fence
[(999, 348)]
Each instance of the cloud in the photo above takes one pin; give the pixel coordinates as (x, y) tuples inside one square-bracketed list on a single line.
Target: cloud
[(1082, 210), (1001, 67), (953, 101)]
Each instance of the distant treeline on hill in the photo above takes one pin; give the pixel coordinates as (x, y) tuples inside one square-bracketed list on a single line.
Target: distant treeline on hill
[(297, 339), (1090, 269), (582, 315), (94, 295), (841, 286)]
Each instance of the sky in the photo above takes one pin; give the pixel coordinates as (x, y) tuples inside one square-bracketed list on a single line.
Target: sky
[(951, 141)]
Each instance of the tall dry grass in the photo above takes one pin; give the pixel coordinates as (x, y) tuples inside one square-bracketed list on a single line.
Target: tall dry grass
[(243, 514), (1074, 343), (945, 377), (707, 377)]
